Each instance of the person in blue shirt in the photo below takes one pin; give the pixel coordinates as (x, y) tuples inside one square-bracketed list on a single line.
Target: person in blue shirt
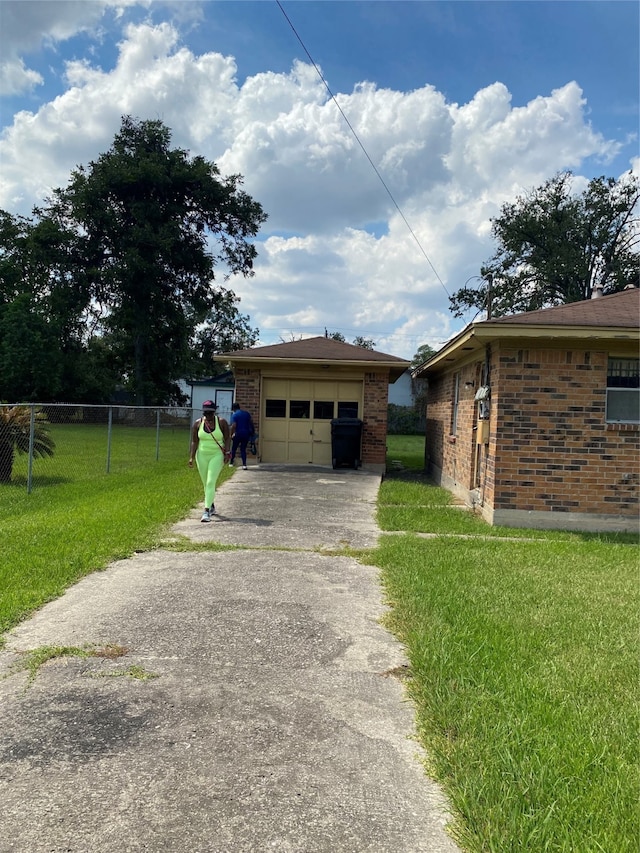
[(241, 431)]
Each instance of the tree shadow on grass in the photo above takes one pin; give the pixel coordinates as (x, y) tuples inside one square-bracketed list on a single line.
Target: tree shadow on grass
[(410, 475), (20, 482)]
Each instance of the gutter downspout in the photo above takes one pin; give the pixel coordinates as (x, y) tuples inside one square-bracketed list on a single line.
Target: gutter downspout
[(486, 381), (426, 406)]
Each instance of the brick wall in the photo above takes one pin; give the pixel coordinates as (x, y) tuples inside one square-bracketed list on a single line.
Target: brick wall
[(248, 392), (555, 450), (452, 453), (374, 430), (550, 448)]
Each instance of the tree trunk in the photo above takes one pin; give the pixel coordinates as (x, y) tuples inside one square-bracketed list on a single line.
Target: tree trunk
[(6, 461), (139, 370)]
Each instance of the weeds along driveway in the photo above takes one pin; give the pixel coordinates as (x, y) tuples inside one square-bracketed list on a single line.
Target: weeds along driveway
[(268, 718)]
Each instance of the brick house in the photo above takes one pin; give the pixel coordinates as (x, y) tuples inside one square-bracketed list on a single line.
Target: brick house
[(293, 391), (534, 419)]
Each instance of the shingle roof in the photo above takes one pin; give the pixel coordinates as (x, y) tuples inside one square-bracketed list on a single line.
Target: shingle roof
[(607, 315), (618, 309), (226, 378), (320, 348)]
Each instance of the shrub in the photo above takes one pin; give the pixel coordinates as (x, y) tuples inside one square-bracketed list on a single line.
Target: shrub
[(15, 432), (404, 420)]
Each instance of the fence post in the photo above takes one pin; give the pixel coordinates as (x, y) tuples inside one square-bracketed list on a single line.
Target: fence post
[(32, 431), (157, 434), (109, 438)]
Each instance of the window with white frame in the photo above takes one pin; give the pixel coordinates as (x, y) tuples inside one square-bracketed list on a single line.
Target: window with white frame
[(623, 391), (456, 402)]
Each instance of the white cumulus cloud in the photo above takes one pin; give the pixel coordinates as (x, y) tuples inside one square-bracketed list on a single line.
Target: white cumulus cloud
[(339, 250)]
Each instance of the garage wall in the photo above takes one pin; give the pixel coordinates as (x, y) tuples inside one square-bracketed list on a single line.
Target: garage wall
[(374, 433), (373, 398), (248, 392)]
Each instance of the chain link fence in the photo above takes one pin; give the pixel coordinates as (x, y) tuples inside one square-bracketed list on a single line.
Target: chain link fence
[(45, 443)]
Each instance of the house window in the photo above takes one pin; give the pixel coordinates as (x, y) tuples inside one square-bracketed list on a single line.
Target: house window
[(623, 391), (456, 401)]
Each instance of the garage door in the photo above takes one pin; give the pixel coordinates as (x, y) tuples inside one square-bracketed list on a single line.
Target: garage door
[(296, 417)]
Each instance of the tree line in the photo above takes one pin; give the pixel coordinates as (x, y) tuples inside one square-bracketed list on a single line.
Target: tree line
[(113, 283), (555, 246)]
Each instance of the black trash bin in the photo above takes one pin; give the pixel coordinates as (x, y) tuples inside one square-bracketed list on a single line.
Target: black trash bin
[(346, 441)]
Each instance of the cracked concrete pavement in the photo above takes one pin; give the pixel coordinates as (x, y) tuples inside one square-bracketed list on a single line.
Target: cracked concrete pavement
[(270, 718)]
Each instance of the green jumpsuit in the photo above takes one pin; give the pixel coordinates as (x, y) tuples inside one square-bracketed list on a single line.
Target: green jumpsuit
[(210, 459)]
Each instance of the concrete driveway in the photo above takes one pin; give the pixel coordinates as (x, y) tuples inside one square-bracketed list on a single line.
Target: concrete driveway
[(256, 707)]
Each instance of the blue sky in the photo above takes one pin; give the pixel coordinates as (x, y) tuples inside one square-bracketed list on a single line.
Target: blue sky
[(460, 105)]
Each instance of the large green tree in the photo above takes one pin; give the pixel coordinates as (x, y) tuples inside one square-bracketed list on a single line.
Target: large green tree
[(225, 329), (21, 328), (422, 354), (555, 246), (151, 225), (46, 317), (358, 341)]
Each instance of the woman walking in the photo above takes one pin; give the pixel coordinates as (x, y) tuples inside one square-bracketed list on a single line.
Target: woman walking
[(210, 447)]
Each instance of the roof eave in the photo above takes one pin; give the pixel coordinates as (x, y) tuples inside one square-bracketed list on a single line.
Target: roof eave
[(396, 368), (493, 331), (465, 338), (478, 335)]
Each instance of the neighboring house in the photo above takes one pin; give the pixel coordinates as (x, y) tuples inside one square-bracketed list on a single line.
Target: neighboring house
[(401, 392), (293, 391), (535, 418), (219, 388)]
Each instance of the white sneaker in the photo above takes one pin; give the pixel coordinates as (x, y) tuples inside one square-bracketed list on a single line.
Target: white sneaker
[(244, 467), (205, 516), (212, 511)]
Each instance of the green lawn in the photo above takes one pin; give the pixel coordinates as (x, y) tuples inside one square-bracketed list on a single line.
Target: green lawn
[(408, 450), (523, 653), (523, 671), (78, 518)]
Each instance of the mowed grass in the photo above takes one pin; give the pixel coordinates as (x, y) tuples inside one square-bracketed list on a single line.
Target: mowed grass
[(78, 518), (523, 670), (404, 499), (406, 449)]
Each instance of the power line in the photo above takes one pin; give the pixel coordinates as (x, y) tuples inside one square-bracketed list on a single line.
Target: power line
[(366, 154), (415, 336), (344, 330)]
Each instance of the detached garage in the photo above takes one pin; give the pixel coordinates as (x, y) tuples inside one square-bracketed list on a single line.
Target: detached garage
[(294, 390)]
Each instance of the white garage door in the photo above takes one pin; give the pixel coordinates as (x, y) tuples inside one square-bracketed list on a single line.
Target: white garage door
[(296, 417)]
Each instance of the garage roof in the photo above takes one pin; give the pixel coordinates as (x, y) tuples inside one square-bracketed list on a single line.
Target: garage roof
[(320, 349)]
